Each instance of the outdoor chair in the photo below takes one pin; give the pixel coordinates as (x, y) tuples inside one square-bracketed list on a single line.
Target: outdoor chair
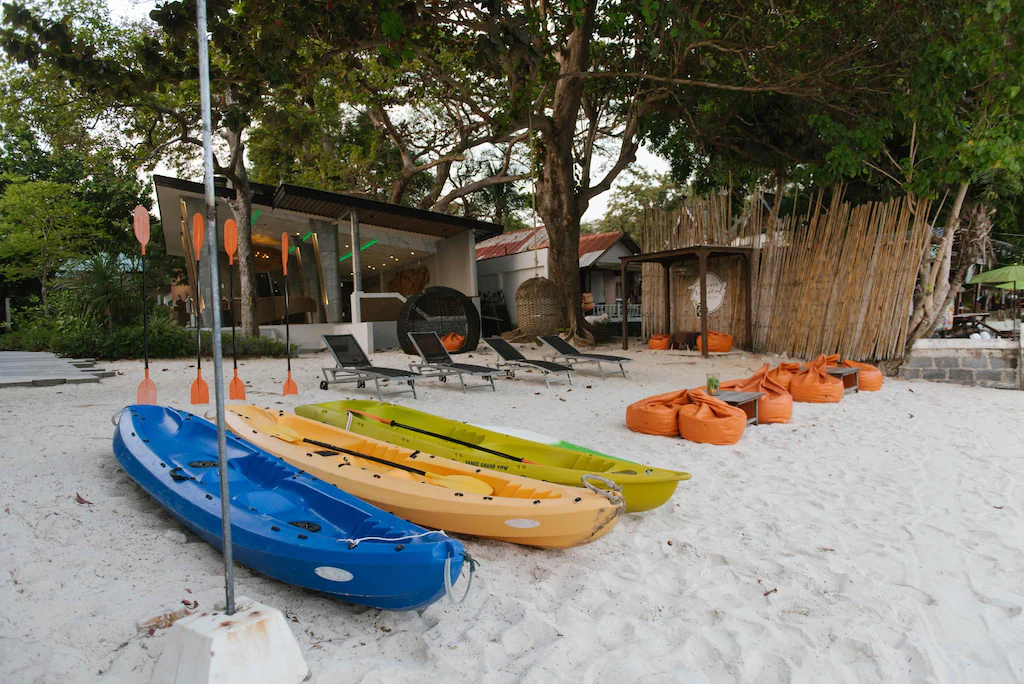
[(436, 363), (569, 354), (511, 359), (354, 366)]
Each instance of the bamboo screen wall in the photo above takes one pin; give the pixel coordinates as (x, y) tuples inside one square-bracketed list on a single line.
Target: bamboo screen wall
[(835, 278)]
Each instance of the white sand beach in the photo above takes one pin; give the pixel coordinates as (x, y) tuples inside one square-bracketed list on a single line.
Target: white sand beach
[(877, 540)]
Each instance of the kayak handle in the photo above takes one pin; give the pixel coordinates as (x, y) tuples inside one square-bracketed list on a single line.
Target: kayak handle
[(448, 577), (116, 418), (612, 493)]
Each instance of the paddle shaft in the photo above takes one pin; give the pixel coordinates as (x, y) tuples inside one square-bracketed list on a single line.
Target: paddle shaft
[(332, 447), (199, 319), (447, 439), (231, 313), (145, 315), (287, 328)]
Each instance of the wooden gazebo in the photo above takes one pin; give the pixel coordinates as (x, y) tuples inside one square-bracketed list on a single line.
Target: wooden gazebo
[(701, 253)]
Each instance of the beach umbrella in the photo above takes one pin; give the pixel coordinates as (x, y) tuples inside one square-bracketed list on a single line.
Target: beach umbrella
[(1013, 285), (998, 276)]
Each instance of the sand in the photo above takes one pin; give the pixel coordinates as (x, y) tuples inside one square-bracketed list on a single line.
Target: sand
[(878, 540)]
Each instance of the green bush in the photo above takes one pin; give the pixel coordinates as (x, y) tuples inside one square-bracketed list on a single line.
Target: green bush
[(166, 341), (34, 338)]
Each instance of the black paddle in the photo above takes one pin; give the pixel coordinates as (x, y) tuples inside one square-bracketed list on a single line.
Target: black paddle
[(443, 437)]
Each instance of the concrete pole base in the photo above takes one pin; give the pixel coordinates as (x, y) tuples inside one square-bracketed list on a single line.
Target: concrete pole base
[(253, 645)]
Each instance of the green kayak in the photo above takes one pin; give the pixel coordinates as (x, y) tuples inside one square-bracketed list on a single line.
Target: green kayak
[(642, 486)]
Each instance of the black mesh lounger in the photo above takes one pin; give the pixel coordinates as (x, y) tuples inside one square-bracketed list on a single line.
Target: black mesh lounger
[(511, 359), (354, 366), (569, 354), (436, 363)]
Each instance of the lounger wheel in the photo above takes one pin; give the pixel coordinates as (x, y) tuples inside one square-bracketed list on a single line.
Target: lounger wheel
[(361, 385), (323, 384), (444, 378)]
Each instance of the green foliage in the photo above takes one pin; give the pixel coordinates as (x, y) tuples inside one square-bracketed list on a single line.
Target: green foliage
[(43, 225), (166, 341), (641, 191)]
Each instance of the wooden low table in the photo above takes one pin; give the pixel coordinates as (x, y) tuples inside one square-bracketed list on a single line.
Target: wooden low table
[(743, 400), (849, 376)]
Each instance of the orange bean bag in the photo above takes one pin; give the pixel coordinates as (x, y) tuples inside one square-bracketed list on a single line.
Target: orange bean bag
[(776, 406), (814, 385), (870, 377), (657, 415), (660, 342), (453, 341), (717, 342), (710, 421), (783, 374)]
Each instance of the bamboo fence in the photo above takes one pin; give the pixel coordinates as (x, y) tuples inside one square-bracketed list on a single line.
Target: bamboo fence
[(829, 278)]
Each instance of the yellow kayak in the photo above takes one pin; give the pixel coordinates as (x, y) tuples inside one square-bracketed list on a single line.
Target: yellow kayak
[(642, 486), (428, 489)]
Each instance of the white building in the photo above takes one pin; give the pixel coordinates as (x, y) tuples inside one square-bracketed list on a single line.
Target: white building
[(506, 261)]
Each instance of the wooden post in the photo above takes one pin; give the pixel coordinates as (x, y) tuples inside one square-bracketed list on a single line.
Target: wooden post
[(702, 259), (750, 300), (625, 305), (668, 297)]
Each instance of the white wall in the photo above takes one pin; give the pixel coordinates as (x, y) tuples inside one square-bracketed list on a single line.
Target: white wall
[(509, 272)]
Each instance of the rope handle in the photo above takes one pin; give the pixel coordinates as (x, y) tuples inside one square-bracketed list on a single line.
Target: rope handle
[(473, 563), (613, 492)]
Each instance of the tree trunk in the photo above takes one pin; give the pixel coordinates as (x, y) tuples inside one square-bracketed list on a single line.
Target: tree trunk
[(241, 209), (558, 195), (936, 287)]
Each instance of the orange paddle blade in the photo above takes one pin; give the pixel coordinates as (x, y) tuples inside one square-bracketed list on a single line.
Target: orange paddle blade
[(147, 391), (140, 218), (289, 385), (198, 231), (200, 390), (284, 253), (231, 239), (236, 389)]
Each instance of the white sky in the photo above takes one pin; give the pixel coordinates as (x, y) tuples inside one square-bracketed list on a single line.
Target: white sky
[(139, 9)]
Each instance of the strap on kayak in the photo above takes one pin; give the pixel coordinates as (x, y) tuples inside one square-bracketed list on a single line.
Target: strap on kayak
[(613, 492), (473, 563), (353, 543)]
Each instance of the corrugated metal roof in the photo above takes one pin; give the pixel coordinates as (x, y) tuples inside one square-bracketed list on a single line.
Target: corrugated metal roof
[(519, 241)]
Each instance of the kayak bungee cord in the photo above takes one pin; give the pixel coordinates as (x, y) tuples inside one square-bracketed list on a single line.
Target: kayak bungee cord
[(439, 436)]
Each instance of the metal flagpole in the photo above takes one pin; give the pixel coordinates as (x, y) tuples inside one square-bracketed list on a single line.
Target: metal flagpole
[(211, 260)]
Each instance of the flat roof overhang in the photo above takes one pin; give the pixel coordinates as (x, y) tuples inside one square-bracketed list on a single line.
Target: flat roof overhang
[(287, 208)]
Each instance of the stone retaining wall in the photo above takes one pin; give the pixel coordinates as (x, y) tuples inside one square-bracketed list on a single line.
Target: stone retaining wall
[(985, 363)]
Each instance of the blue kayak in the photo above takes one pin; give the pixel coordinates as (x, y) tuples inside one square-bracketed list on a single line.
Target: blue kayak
[(284, 523)]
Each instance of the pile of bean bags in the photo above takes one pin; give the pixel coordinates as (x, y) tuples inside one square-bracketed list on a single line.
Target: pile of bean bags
[(691, 414), (717, 342), (776, 406), (697, 416)]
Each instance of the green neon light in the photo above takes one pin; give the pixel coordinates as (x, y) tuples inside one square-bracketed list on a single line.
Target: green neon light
[(292, 248), (255, 216), (371, 243)]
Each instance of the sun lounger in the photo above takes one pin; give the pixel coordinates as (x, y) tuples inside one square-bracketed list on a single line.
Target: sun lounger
[(569, 354), (354, 366), (436, 363), (511, 359)]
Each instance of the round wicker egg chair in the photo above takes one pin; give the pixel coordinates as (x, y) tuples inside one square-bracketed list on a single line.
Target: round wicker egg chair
[(441, 310), (538, 311)]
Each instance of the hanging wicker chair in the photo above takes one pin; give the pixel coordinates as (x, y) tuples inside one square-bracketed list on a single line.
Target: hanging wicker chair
[(538, 310), (441, 310)]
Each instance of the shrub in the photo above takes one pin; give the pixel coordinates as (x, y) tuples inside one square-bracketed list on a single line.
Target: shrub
[(166, 341)]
